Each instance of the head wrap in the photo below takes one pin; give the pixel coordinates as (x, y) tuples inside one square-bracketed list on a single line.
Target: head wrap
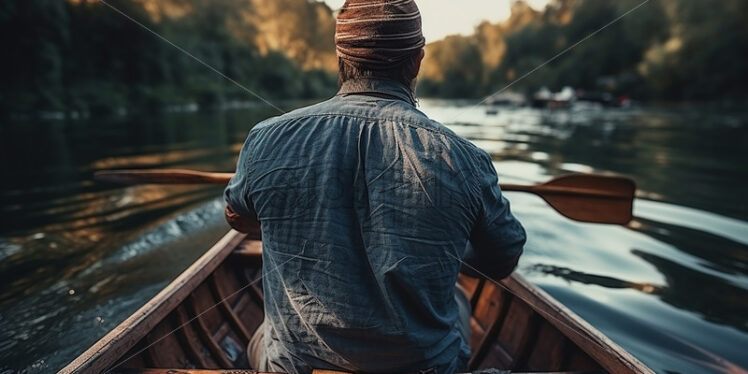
[(378, 34)]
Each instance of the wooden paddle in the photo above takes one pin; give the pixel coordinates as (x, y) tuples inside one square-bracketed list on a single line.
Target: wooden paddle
[(162, 176), (581, 197), (586, 197)]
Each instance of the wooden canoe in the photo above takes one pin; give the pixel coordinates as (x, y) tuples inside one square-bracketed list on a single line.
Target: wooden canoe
[(204, 319)]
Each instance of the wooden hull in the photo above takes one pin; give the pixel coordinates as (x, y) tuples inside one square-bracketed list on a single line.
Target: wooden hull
[(205, 318)]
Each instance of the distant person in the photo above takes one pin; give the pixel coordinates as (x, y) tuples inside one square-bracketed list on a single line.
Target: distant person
[(366, 209)]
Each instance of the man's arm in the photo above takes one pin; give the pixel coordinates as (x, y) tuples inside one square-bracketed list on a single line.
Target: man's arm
[(243, 224), (240, 212), (497, 239)]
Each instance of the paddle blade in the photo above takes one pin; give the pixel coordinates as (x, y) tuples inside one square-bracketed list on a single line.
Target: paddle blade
[(590, 198), (166, 176)]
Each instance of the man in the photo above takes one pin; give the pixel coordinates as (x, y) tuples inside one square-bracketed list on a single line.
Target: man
[(367, 209)]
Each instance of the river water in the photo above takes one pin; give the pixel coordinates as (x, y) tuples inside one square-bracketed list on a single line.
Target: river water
[(77, 257)]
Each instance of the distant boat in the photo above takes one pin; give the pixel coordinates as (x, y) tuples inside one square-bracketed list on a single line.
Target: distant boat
[(507, 98), (205, 318), (544, 98)]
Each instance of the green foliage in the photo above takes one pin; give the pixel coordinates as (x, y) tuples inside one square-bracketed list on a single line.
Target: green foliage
[(33, 35), (710, 60), (458, 61), (83, 56), (64, 55), (674, 50)]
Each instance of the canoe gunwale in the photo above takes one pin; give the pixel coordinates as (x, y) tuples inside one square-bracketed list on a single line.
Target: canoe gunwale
[(113, 346), (604, 351), (109, 349)]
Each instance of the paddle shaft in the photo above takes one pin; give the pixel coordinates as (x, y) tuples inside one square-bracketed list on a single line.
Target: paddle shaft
[(180, 176), (166, 176), (541, 189), (581, 197)]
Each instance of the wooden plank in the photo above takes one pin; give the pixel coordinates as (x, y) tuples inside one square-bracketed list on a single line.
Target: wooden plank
[(229, 282), (147, 353), (250, 311), (255, 288), (515, 325), (471, 286), (188, 338), (600, 348), (527, 342), (161, 339), (206, 336), (489, 306), (476, 334), (581, 361), (217, 288), (477, 293), (496, 357), (117, 342), (550, 351), (138, 361), (205, 303), (489, 343)]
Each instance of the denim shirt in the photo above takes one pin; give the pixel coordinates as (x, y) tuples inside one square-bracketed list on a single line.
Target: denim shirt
[(367, 207)]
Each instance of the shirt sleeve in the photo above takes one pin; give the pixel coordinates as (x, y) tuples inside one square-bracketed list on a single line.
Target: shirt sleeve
[(497, 239), (236, 193)]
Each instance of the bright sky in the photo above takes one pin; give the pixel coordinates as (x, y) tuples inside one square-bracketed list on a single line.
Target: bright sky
[(447, 17)]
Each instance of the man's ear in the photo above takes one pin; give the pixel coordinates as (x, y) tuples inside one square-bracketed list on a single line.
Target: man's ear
[(419, 58)]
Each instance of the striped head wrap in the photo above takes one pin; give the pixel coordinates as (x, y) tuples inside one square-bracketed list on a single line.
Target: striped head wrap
[(378, 34)]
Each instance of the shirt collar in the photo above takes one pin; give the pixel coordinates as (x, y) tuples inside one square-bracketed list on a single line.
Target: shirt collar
[(377, 87)]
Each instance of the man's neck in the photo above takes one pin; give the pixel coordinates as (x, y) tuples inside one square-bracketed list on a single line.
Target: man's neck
[(380, 87)]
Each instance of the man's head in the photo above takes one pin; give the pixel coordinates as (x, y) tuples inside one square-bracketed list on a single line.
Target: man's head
[(379, 38)]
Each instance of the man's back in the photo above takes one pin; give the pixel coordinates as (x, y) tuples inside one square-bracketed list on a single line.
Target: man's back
[(366, 209)]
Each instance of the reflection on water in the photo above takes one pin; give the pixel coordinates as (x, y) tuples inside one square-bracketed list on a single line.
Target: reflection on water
[(77, 257)]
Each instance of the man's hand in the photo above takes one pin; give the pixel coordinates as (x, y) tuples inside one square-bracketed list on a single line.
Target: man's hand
[(246, 225)]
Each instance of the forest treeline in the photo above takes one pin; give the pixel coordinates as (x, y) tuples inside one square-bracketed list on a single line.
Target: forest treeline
[(83, 56), (669, 50)]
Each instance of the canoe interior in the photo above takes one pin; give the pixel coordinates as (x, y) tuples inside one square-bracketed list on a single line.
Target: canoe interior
[(209, 337), (211, 327)]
